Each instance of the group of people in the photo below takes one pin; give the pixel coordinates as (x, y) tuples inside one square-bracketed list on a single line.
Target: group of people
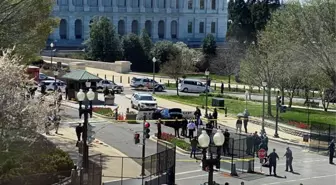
[(255, 142)]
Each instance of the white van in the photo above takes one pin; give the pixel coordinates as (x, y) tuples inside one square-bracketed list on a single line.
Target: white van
[(193, 85)]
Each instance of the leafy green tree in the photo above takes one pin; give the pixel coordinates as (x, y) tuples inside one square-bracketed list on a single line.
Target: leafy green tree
[(25, 24), (147, 43), (209, 45), (104, 43), (162, 51), (135, 53)]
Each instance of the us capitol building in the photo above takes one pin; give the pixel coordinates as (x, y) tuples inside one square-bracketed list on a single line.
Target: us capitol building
[(176, 20)]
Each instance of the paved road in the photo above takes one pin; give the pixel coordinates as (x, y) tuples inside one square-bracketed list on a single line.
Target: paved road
[(312, 168)]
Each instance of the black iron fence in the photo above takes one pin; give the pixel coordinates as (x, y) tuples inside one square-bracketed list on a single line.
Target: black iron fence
[(320, 136)]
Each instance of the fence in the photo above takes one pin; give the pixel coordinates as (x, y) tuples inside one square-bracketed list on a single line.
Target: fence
[(320, 136), (159, 168)]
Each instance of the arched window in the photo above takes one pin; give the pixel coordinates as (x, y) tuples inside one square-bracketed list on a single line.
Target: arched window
[(135, 26), (107, 3), (213, 4), (148, 27), (63, 29), (93, 3), (121, 27), (78, 29), (161, 29)]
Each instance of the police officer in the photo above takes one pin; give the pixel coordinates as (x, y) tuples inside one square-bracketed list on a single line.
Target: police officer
[(273, 162), (289, 159), (331, 152)]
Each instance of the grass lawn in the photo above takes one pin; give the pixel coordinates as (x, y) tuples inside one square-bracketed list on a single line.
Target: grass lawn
[(255, 108), (103, 111)]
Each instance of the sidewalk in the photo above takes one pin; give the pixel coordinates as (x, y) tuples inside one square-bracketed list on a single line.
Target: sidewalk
[(231, 122), (66, 140)]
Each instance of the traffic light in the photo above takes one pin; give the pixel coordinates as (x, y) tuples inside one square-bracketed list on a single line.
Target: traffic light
[(147, 133), (283, 109), (90, 134), (136, 138), (279, 100)]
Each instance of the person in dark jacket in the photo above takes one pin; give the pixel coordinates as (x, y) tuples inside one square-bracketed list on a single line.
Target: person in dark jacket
[(209, 128), (193, 144), (79, 131), (256, 142), (215, 117), (222, 88), (184, 127), (226, 142), (177, 127), (158, 124), (197, 115), (273, 162), (249, 144), (331, 152), (289, 159)]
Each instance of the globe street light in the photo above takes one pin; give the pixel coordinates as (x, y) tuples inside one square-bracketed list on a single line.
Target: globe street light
[(153, 84), (206, 92), (264, 84), (51, 52), (204, 142), (90, 95)]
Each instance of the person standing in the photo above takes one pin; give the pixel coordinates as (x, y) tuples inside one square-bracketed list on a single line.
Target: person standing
[(273, 162), (79, 131), (249, 144), (289, 159), (331, 152), (191, 127), (197, 115), (158, 124), (177, 127), (209, 127), (215, 116), (226, 142), (222, 87), (239, 124), (246, 116), (193, 144), (184, 127), (256, 142)]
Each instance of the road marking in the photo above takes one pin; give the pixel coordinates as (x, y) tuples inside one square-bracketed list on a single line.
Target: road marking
[(191, 177), (186, 172), (303, 179)]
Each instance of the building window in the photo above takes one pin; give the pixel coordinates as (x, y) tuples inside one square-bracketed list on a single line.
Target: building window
[(213, 27), (190, 4), (201, 27), (202, 4), (213, 4), (189, 27)]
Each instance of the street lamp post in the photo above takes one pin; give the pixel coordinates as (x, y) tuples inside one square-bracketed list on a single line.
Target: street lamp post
[(51, 52), (153, 85), (55, 75), (264, 84), (86, 111), (206, 92), (204, 142)]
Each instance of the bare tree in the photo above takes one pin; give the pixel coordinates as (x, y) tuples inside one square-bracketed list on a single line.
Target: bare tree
[(227, 61), (181, 61), (20, 117)]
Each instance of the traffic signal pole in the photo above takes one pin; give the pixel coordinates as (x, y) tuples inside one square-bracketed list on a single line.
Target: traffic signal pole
[(278, 104), (143, 150)]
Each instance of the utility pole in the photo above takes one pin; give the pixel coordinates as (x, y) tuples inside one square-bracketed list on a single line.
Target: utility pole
[(143, 150)]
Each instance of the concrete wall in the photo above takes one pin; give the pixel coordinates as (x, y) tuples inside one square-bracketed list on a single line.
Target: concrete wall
[(118, 66)]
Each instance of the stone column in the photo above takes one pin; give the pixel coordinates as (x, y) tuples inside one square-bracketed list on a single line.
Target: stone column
[(185, 5), (114, 6), (173, 4), (167, 5), (71, 26), (86, 27), (71, 6), (168, 28), (221, 6), (142, 23), (208, 6), (142, 6), (129, 5), (56, 34), (155, 27), (86, 6), (155, 6), (101, 7), (128, 25)]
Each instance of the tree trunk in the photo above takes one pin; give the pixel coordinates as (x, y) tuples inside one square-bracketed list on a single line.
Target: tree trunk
[(291, 94), (229, 83), (177, 92), (282, 96), (269, 102)]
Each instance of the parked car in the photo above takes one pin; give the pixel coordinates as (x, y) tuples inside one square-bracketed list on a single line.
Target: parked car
[(43, 76), (110, 85), (143, 82), (143, 101), (193, 85), (50, 85), (166, 113)]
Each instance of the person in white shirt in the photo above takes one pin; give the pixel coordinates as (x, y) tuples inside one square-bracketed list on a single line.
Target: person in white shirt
[(191, 127)]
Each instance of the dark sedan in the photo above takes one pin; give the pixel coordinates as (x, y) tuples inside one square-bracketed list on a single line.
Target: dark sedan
[(168, 114)]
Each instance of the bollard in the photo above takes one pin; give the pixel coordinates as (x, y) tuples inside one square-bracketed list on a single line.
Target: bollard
[(112, 78), (120, 79), (313, 94), (250, 167), (105, 77), (259, 90), (168, 83), (244, 87), (128, 80), (215, 86), (233, 170), (160, 80), (225, 111)]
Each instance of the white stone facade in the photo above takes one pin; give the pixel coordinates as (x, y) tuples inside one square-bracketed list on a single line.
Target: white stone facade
[(176, 20)]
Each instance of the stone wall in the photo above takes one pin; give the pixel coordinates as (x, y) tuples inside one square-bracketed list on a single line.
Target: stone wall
[(118, 66)]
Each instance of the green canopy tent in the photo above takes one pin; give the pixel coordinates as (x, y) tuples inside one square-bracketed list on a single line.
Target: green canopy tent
[(76, 79)]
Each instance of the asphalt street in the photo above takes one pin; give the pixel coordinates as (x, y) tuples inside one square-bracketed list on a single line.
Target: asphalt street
[(310, 168)]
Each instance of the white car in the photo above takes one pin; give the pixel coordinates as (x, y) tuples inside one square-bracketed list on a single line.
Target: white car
[(110, 85), (193, 85), (143, 82), (143, 101), (50, 85)]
